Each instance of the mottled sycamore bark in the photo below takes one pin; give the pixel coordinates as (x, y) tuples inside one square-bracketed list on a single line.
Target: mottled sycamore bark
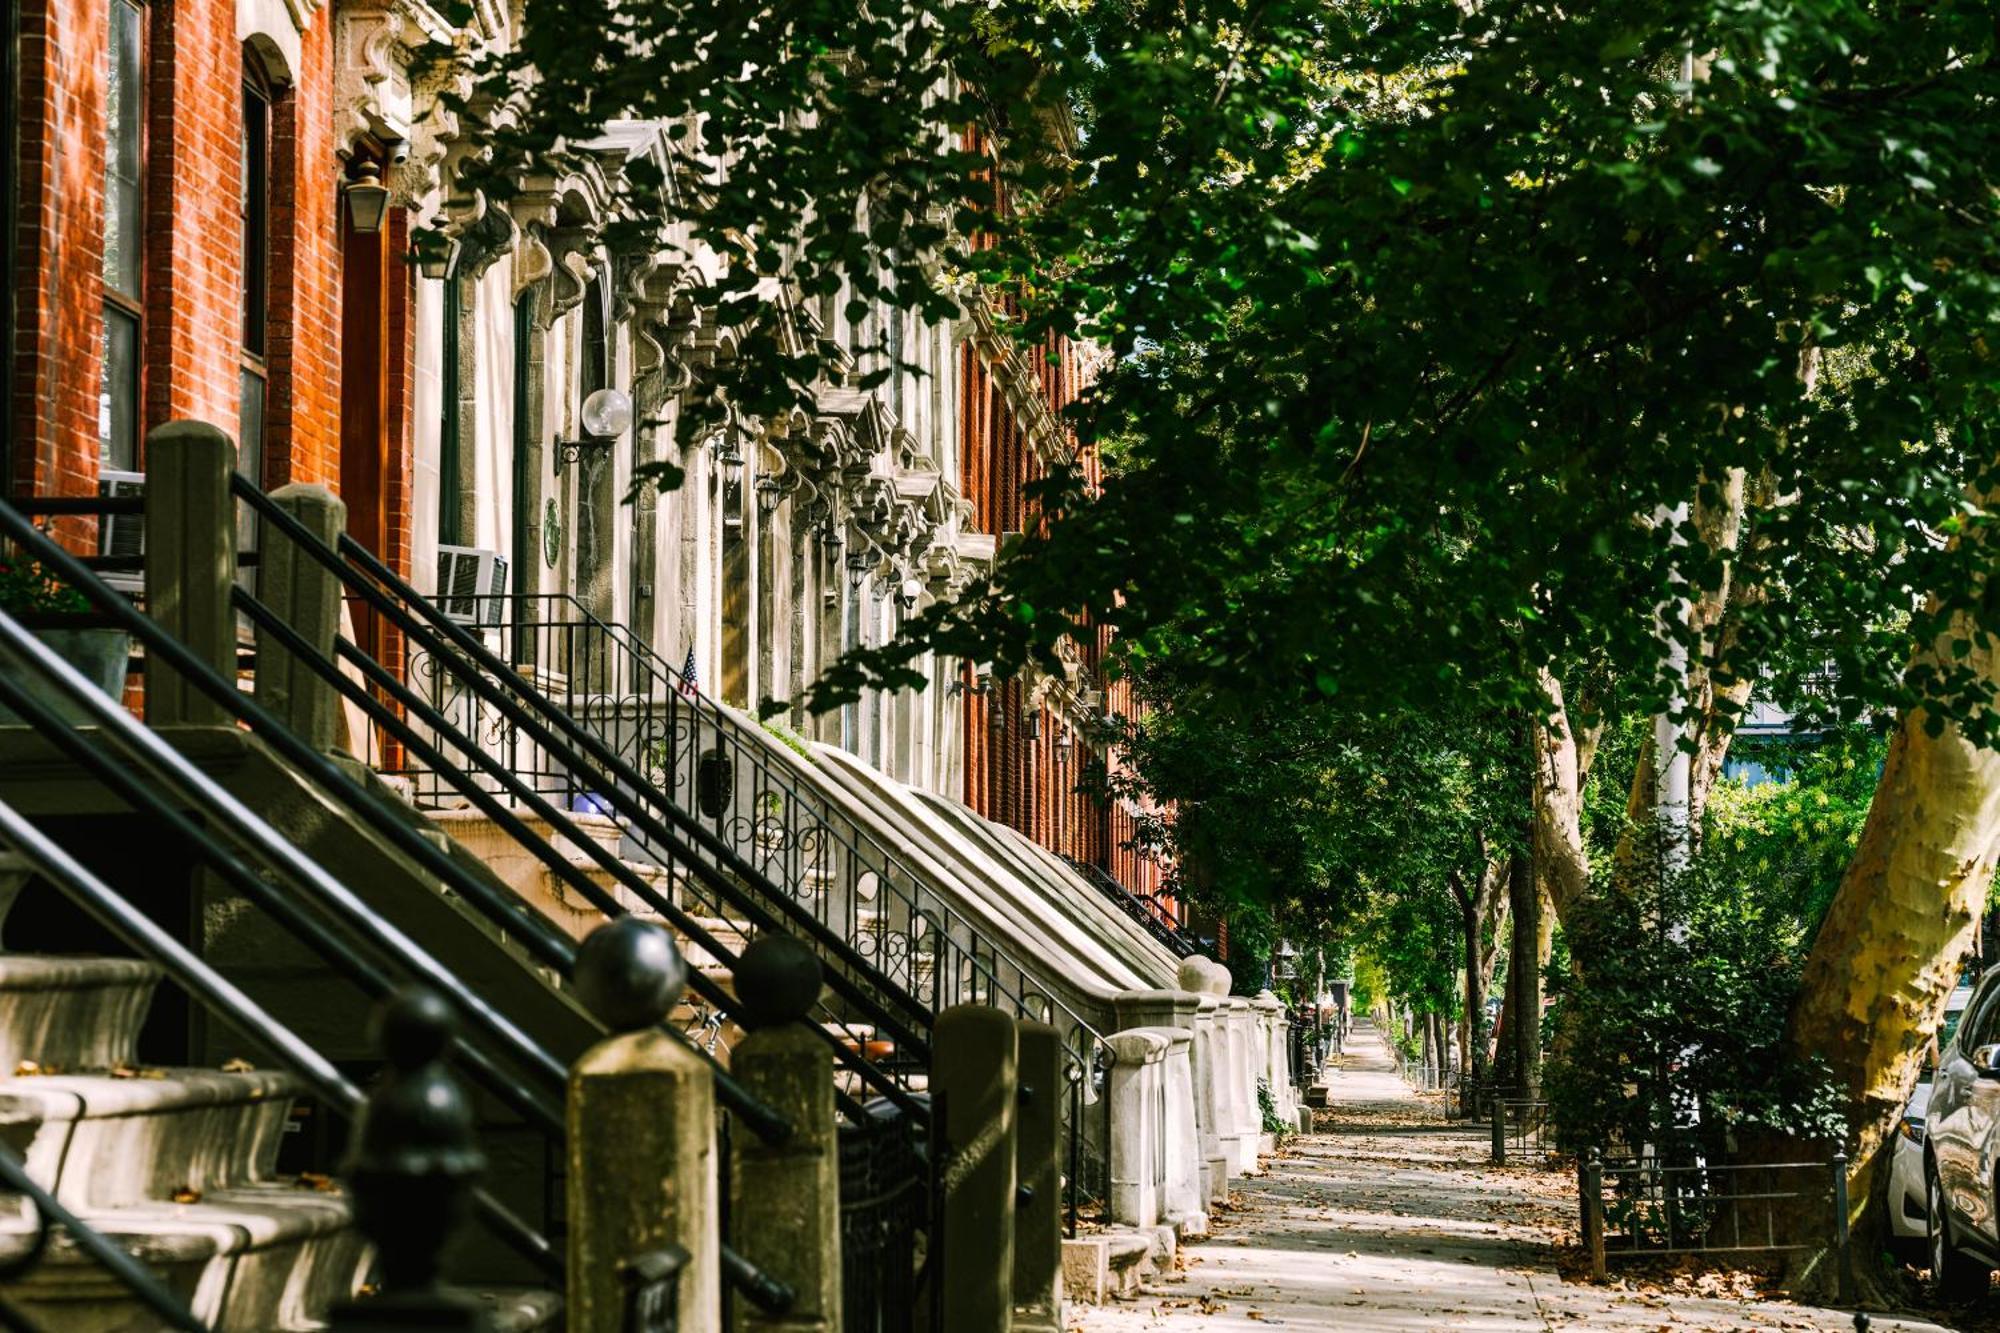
[(1886, 957)]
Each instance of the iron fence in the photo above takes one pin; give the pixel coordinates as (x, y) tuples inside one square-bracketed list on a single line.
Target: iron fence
[(1520, 1126), (1640, 1206), (882, 1205)]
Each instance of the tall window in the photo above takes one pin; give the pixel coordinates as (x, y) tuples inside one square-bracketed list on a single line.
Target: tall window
[(124, 128), (256, 217), (451, 461)]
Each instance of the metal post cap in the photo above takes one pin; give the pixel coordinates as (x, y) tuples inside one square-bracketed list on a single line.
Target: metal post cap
[(777, 980), (418, 1123), (630, 973)]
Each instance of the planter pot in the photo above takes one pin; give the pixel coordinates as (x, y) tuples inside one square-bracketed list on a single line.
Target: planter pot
[(100, 654)]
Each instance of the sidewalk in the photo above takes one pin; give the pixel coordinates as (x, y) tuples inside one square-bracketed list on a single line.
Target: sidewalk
[(1390, 1218)]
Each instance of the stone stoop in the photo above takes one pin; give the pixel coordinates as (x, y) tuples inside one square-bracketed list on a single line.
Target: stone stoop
[(1115, 1263), (538, 885), (1105, 1267), (178, 1165)]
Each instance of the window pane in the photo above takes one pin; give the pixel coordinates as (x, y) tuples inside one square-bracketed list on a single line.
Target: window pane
[(125, 104), (250, 429), (256, 206), (118, 405)]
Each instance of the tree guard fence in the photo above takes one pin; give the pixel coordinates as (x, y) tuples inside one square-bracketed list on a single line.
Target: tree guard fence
[(1634, 1207)]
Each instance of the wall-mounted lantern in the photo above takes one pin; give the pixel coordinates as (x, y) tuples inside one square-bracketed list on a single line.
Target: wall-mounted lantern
[(1031, 725), (728, 456), (857, 568), (606, 415), (366, 196), (908, 592), (1062, 746), (769, 491)]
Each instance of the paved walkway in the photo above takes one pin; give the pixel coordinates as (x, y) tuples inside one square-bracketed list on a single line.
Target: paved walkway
[(1390, 1218)]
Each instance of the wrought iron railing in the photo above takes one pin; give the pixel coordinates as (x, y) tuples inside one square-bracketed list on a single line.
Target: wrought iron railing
[(1520, 1128), (882, 1209), (364, 947), (692, 893), (728, 774), (1149, 910)]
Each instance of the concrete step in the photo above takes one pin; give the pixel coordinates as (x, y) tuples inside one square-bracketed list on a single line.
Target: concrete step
[(1106, 1265), (265, 1257), (522, 1310), (100, 1142), (71, 1014)]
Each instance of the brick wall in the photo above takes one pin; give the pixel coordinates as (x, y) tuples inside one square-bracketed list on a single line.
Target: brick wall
[(303, 425), (1030, 785), (192, 348), (194, 262), (59, 246)]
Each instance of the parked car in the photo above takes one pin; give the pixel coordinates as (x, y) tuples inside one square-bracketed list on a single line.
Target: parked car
[(1962, 1132), (1909, 1214)]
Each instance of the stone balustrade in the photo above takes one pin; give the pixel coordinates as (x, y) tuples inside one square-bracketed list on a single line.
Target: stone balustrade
[(1183, 1099)]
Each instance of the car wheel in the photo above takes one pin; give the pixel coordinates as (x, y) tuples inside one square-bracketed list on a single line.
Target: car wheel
[(1956, 1277)]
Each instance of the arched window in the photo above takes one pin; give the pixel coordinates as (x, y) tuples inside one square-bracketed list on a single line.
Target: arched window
[(255, 212)]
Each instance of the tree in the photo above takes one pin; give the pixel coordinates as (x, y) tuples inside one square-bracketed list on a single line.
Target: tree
[(1440, 337)]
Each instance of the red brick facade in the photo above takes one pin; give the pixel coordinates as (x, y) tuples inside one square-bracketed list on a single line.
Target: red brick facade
[(59, 247), (193, 263), (1031, 784)]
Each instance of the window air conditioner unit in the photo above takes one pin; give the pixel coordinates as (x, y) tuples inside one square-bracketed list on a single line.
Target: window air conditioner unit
[(122, 534), (470, 584)]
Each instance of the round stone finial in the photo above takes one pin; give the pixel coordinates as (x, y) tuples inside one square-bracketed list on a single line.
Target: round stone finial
[(1193, 974), (414, 1027), (778, 980), (1218, 977), (630, 973)]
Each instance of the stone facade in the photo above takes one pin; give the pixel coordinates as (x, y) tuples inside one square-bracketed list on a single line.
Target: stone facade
[(441, 402)]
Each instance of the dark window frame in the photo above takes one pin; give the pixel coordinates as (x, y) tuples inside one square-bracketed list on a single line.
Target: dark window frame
[(121, 451), (254, 213)]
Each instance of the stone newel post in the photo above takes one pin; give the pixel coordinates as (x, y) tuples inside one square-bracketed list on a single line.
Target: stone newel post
[(1187, 1159), (306, 596), (190, 563), (784, 1201), (975, 1086), (1038, 1181), (642, 1168)]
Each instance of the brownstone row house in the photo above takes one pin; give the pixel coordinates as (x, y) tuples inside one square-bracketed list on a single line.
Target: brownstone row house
[(519, 702)]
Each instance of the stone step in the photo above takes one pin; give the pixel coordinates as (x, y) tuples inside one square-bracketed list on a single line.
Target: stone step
[(522, 1310), (71, 1014), (100, 1142), (264, 1257), (1106, 1265)]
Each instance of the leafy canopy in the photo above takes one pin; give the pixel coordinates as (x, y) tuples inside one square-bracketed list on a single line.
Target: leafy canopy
[(1397, 294)]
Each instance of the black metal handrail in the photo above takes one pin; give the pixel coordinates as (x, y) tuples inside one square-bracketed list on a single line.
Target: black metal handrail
[(200, 981), (1146, 910), (223, 997), (503, 816), (410, 614), (680, 742), (533, 933)]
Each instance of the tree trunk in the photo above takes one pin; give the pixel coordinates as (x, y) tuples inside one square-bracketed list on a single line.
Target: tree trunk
[(1561, 765), (1525, 973), (1476, 904), (1471, 1057), (1888, 953)]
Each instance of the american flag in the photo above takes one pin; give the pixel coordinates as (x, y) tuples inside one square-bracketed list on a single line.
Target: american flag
[(690, 682)]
